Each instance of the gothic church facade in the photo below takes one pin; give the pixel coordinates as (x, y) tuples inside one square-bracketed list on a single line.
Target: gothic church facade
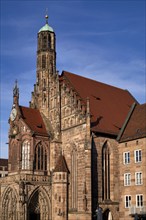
[(63, 149)]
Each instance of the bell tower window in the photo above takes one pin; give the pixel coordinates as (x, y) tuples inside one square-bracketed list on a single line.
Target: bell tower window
[(49, 41), (44, 43), (43, 61)]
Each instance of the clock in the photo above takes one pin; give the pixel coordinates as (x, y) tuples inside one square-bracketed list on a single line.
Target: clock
[(13, 114)]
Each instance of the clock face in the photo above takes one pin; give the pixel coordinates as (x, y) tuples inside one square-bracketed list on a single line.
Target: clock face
[(13, 114)]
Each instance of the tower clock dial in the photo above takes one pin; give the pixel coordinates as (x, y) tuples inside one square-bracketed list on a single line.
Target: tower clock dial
[(13, 114)]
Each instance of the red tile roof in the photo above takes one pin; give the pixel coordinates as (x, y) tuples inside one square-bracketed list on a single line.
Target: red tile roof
[(33, 119), (136, 126), (61, 165), (109, 105)]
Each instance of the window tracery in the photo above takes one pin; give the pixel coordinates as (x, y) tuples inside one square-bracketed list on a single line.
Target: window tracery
[(40, 161), (74, 178), (106, 172), (25, 155)]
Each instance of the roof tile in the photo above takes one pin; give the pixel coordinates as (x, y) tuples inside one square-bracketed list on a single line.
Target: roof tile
[(61, 165), (109, 105), (136, 127), (33, 119)]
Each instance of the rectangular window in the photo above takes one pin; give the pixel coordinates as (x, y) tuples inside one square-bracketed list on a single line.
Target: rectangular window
[(127, 201), (138, 178), (43, 61), (127, 179), (138, 156), (139, 200), (126, 157)]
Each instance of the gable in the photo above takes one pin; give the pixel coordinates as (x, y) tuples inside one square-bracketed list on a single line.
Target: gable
[(33, 119), (136, 126), (109, 105)]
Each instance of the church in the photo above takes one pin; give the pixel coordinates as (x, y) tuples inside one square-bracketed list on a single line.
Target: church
[(75, 152)]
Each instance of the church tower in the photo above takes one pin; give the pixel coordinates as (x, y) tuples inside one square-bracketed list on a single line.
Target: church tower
[(46, 90)]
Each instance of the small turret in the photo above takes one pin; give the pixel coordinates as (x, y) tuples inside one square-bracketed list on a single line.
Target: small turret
[(16, 93), (60, 189)]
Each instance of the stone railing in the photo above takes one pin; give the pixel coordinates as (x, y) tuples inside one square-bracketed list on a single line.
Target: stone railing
[(26, 178)]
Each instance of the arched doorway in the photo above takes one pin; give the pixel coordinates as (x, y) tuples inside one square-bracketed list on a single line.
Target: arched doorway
[(34, 207), (107, 215), (38, 208), (9, 205)]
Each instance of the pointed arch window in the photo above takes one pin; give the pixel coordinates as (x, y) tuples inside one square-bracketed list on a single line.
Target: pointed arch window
[(40, 162), (26, 155), (106, 172), (74, 179)]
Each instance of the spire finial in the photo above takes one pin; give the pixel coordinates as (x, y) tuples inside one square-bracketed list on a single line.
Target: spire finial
[(46, 16), (16, 93), (16, 89)]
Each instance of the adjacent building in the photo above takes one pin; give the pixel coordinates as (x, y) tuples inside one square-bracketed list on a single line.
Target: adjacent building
[(77, 152), (3, 167), (132, 166)]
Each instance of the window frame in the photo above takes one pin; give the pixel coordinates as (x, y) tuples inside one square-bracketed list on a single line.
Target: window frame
[(25, 155), (138, 158), (127, 179), (40, 158), (139, 180), (139, 201), (126, 158), (128, 202)]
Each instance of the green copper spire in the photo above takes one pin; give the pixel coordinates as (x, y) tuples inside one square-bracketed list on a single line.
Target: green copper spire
[(46, 27)]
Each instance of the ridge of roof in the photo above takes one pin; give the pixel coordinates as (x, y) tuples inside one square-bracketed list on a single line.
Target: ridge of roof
[(95, 81), (61, 165)]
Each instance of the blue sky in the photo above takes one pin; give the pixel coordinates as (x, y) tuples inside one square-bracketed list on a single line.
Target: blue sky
[(102, 40)]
